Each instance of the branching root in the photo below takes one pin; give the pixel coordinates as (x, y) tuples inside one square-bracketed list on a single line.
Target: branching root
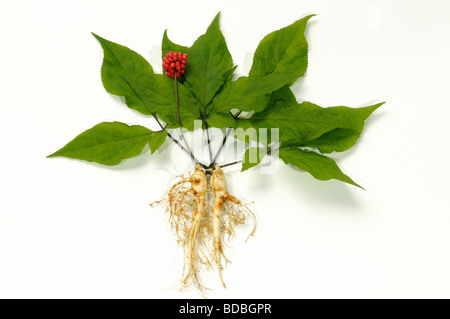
[(203, 216)]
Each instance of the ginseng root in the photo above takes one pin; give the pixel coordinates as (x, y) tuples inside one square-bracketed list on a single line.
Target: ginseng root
[(185, 204), (228, 212), (194, 237), (203, 216)]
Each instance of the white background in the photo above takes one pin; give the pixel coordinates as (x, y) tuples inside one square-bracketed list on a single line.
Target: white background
[(70, 229)]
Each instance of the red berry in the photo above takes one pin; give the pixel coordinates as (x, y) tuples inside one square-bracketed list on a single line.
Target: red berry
[(174, 64)]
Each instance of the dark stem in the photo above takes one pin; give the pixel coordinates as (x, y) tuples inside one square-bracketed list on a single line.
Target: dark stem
[(163, 128), (223, 144), (178, 115), (235, 116), (176, 99), (269, 152), (209, 143), (207, 135), (229, 164), (240, 161)]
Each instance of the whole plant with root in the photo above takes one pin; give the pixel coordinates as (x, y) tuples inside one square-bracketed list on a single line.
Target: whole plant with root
[(198, 84)]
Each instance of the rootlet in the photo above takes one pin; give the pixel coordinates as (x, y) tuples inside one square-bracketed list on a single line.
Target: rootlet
[(227, 308)]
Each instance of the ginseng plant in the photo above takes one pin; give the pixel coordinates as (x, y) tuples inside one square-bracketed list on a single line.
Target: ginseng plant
[(198, 86)]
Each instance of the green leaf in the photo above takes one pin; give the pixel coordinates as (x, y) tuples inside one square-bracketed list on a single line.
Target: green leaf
[(337, 140), (168, 46), (283, 52), (252, 157), (164, 98), (221, 117), (284, 94), (126, 73), (319, 166), (221, 120), (341, 139), (209, 64), (280, 59), (246, 94), (157, 140), (107, 143), (300, 123)]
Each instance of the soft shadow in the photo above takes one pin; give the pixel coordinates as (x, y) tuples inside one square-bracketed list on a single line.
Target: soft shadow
[(155, 54), (119, 100), (248, 61), (158, 159), (297, 88), (333, 192), (132, 163), (376, 116)]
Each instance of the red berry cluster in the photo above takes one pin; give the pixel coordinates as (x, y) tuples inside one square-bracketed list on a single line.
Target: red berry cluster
[(174, 63)]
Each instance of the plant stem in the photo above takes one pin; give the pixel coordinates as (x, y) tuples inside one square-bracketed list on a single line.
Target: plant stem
[(178, 115), (226, 136), (207, 135), (163, 128), (270, 151), (209, 143), (235, 116), (224, 141), (176, 99), (232, 163), (222, 145), (240, 161)]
